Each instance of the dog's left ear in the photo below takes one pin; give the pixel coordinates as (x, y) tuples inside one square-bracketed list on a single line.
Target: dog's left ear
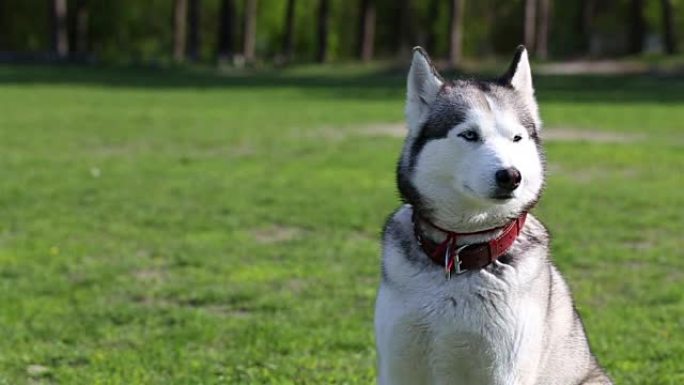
[(519, 74), (519, 77)]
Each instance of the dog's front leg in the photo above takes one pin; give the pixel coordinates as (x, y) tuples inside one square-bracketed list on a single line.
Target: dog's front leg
[(401, 342)]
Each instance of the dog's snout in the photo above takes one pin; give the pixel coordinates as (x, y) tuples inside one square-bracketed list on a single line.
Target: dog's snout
[(508, 178)]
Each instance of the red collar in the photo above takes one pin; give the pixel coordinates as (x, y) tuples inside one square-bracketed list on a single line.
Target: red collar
[(474, 256)]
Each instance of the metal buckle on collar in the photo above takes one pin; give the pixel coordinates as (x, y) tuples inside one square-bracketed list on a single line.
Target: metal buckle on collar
[(448, 259)]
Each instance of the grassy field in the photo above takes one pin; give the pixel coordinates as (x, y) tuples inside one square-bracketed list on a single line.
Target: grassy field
[(181, 227)]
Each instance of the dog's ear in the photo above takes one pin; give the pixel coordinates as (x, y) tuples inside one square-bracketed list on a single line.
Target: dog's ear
[(519, 74), (519, 77), (423, 85)]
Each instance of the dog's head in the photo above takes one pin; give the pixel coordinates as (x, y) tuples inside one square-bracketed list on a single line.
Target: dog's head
[(472, 156)]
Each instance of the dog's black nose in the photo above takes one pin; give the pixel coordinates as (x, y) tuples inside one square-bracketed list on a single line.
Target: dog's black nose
[(508, 178)]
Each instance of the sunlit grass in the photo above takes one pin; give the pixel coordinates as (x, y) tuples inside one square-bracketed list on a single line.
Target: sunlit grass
[(169, 227)]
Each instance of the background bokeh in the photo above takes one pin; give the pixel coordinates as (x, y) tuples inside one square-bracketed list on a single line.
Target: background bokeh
[(267, 31)]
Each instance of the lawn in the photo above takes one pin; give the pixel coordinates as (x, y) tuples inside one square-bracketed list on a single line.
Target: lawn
[(181, 226)]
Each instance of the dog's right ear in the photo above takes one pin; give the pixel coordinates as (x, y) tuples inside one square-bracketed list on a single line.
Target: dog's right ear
[(423, 85)]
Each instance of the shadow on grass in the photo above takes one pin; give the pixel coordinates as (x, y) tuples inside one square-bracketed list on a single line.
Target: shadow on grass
[(342, 82)]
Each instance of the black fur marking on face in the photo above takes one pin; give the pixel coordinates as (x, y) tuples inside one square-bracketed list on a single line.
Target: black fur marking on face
[(444, 116), (408, 192), (437, 126)]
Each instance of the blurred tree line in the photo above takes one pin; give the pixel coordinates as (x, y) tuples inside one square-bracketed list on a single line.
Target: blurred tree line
[(280, 31)]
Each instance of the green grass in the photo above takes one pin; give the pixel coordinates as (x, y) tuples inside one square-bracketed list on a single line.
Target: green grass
[(180, 227)]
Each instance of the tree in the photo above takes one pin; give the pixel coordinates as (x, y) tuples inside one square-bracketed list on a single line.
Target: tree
[(180, 8), (530, 23), (542, 49), (226, 30), (249, 36), (637, 26), (433, 14), (404, 27), (669, 37), (456, 32), (585, 23), (366, 37), (2, 32), (288, 37), (78, 29), (60, 37), (193, 45), (323, 31)]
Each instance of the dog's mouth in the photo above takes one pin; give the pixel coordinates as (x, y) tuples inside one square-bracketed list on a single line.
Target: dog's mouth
[(497, 196), (502, 197)]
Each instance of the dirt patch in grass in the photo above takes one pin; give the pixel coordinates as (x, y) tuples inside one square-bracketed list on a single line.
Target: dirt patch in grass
[(395, 130), (573, 135), (150, 275), (639, 245), (586, 175), (276, 234), (227, 311)]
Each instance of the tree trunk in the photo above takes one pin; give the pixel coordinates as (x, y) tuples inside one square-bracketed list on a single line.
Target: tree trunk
[(542, 48), (323, 29), (194, 41), (78, 29), (530, 24), (60, 36), (366, 30), (249, 38), (226, 31), (2, 32), (637, 28), (288, 39), (433, 14), (456, 33), (585, 24), (669, 36), (404, 29), (180, 8), (82, 17)]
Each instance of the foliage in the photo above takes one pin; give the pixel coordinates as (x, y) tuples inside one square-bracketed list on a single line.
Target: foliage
[(140, 31)]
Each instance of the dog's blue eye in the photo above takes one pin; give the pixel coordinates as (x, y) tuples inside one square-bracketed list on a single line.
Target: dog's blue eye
[(517, 138), (469, 135)]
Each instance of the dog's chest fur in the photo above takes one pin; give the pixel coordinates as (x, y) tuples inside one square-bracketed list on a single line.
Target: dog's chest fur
[(463, 327)]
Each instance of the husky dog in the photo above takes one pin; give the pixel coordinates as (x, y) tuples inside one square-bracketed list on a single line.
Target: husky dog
[(469, 295)]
